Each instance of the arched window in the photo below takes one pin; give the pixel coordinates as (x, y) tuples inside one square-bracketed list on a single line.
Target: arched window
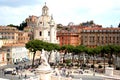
[(40, 33)]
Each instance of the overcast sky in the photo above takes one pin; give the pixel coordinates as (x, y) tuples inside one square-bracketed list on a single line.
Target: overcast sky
[(103, 12)]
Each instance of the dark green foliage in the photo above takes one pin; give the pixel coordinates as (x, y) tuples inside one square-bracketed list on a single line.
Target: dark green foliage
[(119, 25), (11, 25), (110, 62), (38, 45), (92, 66), (22, 25), (117, 68), (61, 64), (68, 62), (83, 65), (88, 23), (100, 66)]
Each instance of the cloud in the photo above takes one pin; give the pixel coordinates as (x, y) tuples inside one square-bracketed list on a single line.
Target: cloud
[(18, 3), (104, 12), (10, 15), (80, 10)]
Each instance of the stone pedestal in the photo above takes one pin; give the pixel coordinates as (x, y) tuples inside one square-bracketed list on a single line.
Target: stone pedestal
[(45, 76), (109, 71), (44, 70)]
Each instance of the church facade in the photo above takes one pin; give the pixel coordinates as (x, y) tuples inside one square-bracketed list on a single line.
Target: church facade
[(44, 27)]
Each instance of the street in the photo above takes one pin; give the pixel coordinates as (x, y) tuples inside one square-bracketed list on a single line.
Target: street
[(22, 74), (10, 76)]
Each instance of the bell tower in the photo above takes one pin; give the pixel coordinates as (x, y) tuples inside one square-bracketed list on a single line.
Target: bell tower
[(45, 10)]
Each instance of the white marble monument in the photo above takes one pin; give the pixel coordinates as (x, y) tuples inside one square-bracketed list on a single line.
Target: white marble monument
[(44, 70)]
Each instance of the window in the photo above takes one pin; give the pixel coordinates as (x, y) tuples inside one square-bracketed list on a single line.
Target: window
[(12, 37), (40, 33), (48, 33)]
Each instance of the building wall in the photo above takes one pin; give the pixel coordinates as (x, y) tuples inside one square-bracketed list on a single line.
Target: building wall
[(23, 37), (18, 53), (8, 33), (10, 37), (89, 36), (31, 21), (14, 52), (13, 35), (68, 38), (3, 59), (93, 37)]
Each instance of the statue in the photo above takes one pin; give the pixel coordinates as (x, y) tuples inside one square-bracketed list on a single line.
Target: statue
[(52, 57), (44, 59), (44, 70), (44, 63)]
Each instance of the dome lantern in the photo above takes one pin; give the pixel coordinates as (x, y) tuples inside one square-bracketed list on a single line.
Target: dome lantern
[(45, 10)]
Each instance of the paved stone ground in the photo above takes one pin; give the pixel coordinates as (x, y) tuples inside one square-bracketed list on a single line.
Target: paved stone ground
[(83, 77), (76, 77)]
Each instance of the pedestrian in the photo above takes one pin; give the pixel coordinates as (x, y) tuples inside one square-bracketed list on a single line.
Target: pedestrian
[(4, 73), (2, 70), (19, 76), (25, 76)]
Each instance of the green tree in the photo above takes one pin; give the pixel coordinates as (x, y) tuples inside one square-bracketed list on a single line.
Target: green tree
[(119, 25), (96, 51), (111, 52), (12, 25), (22, 25), (70, 49), (33, 46), (49, 47), (104, 52), (116, 53), (64, 49), (78, 50), (91, 52)]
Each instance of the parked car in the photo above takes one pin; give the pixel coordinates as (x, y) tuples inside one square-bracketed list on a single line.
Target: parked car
[(14, 72), (9, 70)]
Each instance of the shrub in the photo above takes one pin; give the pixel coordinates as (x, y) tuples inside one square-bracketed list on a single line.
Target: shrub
[(117, 68), (83, 65), (61, 64), (110, 62), (68, 61), (92, 66), (98, 62), (100, 66), (77, 65)]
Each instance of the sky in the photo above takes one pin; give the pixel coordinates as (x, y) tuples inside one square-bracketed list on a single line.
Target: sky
[(102, 12)]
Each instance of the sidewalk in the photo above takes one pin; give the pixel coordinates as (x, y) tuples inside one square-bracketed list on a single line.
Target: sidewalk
[(116, 77)]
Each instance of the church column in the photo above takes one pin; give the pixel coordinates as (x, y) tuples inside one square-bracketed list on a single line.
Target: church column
[(52, 30)]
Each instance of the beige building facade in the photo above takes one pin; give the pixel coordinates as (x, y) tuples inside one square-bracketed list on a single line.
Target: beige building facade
[(96, 36), (12, 44)]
